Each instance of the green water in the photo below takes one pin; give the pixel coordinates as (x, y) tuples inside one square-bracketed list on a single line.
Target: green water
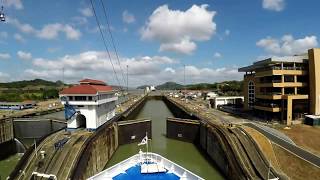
[(8, 164), (182, 153)]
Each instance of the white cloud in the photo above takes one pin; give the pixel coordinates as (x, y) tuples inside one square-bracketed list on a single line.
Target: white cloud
[(92, 61), (170, 70), (19, 37), (4, 56), (287, 45), (227, 32), (87, 12), (17, 4), (4, 77), (49, 31), (185, 46), (273, 5), (79, 20), (128, 17), (24, 55), (217, 55), (178, 30), (142, 70)]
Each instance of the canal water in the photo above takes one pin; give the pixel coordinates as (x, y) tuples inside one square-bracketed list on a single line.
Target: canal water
[(182, 153)]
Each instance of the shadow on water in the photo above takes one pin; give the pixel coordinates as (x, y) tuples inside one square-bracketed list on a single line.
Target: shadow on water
[(183, 153)]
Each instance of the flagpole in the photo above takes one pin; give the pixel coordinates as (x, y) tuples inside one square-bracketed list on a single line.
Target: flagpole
[(147, 146)]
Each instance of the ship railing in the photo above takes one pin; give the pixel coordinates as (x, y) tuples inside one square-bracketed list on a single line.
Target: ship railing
[(149, 157)]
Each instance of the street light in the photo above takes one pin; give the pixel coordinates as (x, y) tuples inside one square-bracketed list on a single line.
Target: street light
[(2, 15)]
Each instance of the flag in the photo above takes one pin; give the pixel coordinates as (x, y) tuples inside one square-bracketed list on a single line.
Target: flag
[(144, 141)]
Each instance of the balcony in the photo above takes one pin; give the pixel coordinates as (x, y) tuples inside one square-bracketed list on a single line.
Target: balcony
[(271, 107), (281, 71), (269, 95), (280, 84)]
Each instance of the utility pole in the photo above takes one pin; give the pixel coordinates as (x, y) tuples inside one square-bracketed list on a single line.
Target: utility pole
[(63, 76), (127, 79), (184, 82)]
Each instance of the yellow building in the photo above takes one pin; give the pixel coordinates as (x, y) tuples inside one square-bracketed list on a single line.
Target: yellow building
[(283, 88)]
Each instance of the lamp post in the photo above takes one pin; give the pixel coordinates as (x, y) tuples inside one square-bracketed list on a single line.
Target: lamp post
[(127, 80), (184, 82), (2, 15)]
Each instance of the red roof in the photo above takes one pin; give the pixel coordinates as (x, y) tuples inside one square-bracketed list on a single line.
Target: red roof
[(86, 89), (92, 81)]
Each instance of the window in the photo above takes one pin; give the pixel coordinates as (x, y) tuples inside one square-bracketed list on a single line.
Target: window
[(288, 78), (89, 98), (251, 92), (80, 98)]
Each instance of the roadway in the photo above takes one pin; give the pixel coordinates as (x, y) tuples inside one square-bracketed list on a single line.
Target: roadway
[(307, 156)]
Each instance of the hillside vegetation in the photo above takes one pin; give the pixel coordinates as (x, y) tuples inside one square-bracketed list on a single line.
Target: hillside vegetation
[(231, 88), (36, 89)]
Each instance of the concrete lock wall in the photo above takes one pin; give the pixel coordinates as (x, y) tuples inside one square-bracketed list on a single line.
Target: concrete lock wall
[(134, 130), (26, 129), (97, 152), (6, 130), (183, 129), (215, 151), (178, 111)]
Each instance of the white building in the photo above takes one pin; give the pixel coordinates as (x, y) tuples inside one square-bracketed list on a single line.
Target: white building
[(94, 102), (211, 95), (152, 88), (224, 100)]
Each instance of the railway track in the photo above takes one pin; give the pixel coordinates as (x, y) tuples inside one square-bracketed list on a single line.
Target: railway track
[(26, 172), (55, 158)]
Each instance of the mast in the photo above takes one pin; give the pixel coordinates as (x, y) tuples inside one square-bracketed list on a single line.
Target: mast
[(147, 145)]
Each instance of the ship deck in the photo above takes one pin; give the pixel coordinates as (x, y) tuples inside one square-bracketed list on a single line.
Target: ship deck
[(149, 166)]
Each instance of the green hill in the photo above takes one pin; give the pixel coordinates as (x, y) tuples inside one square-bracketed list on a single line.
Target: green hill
[(37, 89), (31, 83), (169, 86), (231, 88), (142, 87)]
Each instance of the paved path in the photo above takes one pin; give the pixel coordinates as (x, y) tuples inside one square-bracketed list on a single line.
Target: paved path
[(311, 158)]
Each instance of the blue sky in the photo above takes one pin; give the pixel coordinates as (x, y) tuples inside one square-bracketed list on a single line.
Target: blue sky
[(154, 38)]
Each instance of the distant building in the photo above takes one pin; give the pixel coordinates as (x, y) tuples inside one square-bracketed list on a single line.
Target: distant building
[(211, 95), (94, 101), (152, 88), (226, 100), (147, 90), (283, 88)]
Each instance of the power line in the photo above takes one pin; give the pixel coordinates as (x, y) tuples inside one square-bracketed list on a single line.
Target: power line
[(105, 45), (112, 40)]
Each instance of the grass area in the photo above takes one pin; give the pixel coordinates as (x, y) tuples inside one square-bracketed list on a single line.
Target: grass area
[(264, 145), (305, 136), (7, 165), (295, 167)]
